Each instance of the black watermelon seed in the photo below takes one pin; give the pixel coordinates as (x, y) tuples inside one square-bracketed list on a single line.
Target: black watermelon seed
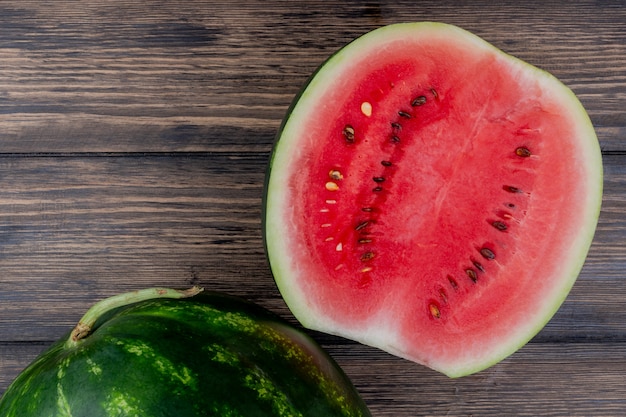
[(488, 254), (385, 163), (404, 114), (378, 179), (453, 282), (523, 152), (478, 266), (443, 295), (367, 256), (471, 274), (348, 133), (511, 189), (418, 101), (500, 225), (434, 310)]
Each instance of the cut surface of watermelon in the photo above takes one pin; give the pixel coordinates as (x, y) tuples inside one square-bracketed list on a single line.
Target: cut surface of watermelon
[(431, 196)]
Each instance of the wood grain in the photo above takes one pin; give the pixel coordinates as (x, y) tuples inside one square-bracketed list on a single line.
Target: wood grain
[(134, 138)]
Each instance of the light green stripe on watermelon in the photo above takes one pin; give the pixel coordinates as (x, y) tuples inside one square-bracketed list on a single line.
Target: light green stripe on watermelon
[(211, 316), (62, 403), (123, 405), (164, 366), (270, 338), (94, 368), (64, 406), (256, 380), (267, 391), (222, 355), (295, 353)]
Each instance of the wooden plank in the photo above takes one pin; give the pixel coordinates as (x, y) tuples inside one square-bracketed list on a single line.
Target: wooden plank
[(539, 380), (98, 225), (168, 78)]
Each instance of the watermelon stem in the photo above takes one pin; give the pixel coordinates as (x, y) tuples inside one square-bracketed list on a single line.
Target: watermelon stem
[(85, 325)]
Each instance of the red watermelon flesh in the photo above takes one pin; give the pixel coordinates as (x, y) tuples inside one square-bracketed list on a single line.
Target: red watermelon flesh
[(431, 196)]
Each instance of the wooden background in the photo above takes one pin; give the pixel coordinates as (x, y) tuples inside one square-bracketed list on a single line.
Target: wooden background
[(134, 138)]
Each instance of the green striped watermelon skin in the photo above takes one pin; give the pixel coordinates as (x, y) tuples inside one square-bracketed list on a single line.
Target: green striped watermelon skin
[(210, 355)]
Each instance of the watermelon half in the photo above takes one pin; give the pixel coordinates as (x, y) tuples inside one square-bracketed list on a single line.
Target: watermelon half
[(432, 196)]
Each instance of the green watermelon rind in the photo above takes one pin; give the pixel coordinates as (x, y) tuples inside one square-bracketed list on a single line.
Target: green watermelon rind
[(287, 276), (208, 355)]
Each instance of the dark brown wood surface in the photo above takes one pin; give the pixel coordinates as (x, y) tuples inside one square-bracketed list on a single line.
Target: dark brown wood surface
[(134, 138)]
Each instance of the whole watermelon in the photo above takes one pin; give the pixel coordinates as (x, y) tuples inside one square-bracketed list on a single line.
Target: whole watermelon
[(204, 355)]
